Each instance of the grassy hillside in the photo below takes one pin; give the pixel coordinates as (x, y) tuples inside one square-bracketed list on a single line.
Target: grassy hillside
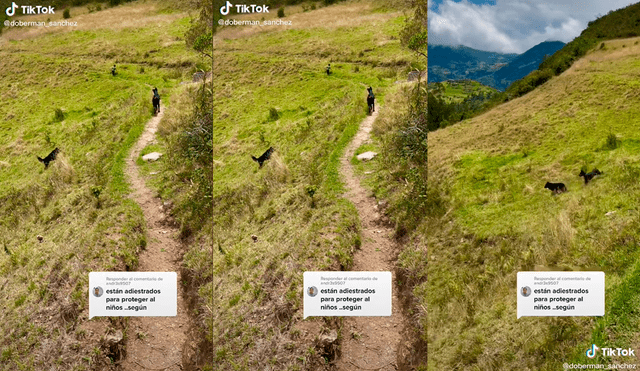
[(497, 219), (59, 93), (270, 89)]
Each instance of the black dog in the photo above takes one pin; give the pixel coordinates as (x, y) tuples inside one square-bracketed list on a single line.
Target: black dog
[(371, 99), (588, 176), (556, 187), (50, 157), (156, 101), (113, 70), (265, 156)]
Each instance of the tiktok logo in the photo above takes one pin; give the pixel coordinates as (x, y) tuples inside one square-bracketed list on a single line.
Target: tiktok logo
[(224, 10), (12, 9), (591, 352)]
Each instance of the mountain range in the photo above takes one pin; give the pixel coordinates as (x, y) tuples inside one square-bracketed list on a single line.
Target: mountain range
[(494, 69)]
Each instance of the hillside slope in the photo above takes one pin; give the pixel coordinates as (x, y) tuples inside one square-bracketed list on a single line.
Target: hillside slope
[(59, 92), (488, 173), (289, 216)]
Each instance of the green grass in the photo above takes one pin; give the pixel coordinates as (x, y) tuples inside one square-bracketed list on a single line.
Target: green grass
[(490, 172), (80, 204), (294, 203)]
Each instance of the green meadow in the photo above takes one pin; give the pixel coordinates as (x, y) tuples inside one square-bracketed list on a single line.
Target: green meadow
[(58, 92), (271, 90)]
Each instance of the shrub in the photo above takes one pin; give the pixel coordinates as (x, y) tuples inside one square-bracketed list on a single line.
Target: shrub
[(66, 14), (193, 154), (273, 114), (313, 6), (59, 115), (612, 141), (281, 12)]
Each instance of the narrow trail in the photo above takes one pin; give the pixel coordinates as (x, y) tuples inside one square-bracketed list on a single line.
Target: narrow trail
[(370, 343), (155, 343)]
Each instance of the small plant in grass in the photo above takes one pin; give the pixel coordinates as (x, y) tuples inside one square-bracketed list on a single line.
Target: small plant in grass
[(66, 14), (612, 141), (281, 12), (311, 191), (273, 114), (263, 139), (58, 115)]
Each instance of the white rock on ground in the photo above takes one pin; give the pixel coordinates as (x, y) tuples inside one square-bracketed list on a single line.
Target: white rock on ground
[(153, 156), (367, 156)]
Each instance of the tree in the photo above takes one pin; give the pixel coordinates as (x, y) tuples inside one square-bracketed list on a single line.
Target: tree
[(200, 35)]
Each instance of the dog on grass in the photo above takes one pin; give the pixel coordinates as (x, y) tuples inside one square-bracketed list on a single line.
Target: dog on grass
[(50, 157), (556, 187), (588, 176), (264, 157)]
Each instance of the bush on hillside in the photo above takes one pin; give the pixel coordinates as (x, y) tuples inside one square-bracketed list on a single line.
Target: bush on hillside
[(193, 151), (58, 115), (273, 114), (66, 14), (530, 82), (612, 142), (281, 12)]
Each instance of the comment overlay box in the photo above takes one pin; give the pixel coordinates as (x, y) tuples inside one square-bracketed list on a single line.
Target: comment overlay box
[(347, 294), (550, 294), (133, 294)]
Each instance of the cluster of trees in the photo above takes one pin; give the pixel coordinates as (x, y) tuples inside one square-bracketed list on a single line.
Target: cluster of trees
[(443, 112)]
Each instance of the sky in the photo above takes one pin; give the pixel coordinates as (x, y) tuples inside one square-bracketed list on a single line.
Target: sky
[(512, 26)]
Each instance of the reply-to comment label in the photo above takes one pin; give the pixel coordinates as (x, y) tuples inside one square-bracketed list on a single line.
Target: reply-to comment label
[(543, 294), (140, 294), (347, 294)]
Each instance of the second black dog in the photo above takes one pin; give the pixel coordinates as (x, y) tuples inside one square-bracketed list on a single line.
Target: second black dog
[(588, 176), (556, 187)]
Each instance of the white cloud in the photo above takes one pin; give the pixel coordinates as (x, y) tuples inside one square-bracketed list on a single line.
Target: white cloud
[(513, 26)]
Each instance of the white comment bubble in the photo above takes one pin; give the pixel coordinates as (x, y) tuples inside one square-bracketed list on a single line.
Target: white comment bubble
[(347, 294), (555, 294), (133, 294)]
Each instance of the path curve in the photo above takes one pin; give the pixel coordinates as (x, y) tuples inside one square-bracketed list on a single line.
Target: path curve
[(370, 343), (155, 343)]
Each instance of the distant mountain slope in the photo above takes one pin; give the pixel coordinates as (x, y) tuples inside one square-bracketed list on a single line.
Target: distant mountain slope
[(490, 68), (461, 62), (524, 63)]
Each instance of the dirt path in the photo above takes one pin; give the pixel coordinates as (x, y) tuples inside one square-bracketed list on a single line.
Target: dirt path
[(370, 343), (155, 343)]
